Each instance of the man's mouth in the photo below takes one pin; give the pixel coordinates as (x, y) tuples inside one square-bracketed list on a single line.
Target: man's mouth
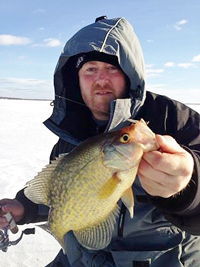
[(103, 92)]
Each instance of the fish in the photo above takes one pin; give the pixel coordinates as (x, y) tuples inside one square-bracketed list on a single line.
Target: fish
[(83, 188)]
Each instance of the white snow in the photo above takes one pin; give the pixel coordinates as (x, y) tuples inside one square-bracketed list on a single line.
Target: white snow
[(25, 148)]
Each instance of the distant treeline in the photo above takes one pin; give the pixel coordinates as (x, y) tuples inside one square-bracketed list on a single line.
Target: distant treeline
[(37, 99), (18, 98)]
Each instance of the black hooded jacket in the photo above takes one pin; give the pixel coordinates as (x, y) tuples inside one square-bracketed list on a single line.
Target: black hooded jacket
[(72, 122)]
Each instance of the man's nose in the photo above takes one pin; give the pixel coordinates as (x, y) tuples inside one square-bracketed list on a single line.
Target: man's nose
[(102, 78)]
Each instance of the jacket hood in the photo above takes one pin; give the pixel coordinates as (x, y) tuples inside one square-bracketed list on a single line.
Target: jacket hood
[(114, 37)]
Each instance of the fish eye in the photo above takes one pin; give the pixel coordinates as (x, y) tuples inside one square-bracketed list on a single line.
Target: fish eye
[(125, 138)]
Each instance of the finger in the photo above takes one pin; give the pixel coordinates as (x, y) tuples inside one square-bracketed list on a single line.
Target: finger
[(172, 164), (162, 161), (151, 174), (154, 188), (5, 201), (168, 144), (3, 222), (9, 205), (168, 184)]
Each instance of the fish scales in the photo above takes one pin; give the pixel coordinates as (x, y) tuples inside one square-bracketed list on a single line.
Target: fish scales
[(87, 211), (83, 188)]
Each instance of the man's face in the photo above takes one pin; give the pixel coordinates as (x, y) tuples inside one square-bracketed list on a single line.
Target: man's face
[(100, 83)]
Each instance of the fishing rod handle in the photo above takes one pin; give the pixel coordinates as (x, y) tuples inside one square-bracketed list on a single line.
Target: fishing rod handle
[(12, 224)]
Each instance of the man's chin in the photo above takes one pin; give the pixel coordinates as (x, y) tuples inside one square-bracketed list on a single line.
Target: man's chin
[(101, 112)]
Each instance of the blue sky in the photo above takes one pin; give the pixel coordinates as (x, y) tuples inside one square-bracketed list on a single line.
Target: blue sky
[(33, 33)]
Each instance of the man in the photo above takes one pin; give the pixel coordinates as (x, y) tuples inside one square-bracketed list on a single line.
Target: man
[(99, 84)]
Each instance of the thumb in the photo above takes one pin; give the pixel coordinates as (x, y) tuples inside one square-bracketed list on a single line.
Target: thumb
[(14, 207), (8, 205), (7, 208), (168, 144)]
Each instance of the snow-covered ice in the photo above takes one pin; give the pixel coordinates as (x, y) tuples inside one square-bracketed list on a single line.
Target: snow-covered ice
[(25, 146)]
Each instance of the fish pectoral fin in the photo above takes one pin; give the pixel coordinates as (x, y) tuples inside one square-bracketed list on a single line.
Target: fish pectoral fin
[(98, 236), (109, 187), (128, 200)]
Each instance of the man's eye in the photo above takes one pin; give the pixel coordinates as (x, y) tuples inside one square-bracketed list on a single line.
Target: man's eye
[(91, 69), (112, 68)]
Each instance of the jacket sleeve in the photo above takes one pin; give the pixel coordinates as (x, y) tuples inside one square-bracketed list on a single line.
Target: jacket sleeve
[(183, 209), (33, 212)]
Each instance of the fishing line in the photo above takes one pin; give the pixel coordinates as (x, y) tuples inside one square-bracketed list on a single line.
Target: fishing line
[(68, 99), (81, 104)]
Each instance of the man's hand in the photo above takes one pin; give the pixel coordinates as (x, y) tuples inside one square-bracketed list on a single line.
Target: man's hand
[(14, 207), (166, 172)]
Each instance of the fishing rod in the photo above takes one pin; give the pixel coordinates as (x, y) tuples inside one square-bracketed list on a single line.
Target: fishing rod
[(4, 233)]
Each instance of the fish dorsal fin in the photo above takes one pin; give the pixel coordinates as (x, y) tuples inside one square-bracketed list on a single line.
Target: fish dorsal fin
[(99, 236), (37, 189), (128, 200)]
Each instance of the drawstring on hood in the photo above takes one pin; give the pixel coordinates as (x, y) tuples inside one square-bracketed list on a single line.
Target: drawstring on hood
[(111, 38)]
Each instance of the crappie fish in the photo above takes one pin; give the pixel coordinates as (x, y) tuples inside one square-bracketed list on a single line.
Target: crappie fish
[(83, 187)]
